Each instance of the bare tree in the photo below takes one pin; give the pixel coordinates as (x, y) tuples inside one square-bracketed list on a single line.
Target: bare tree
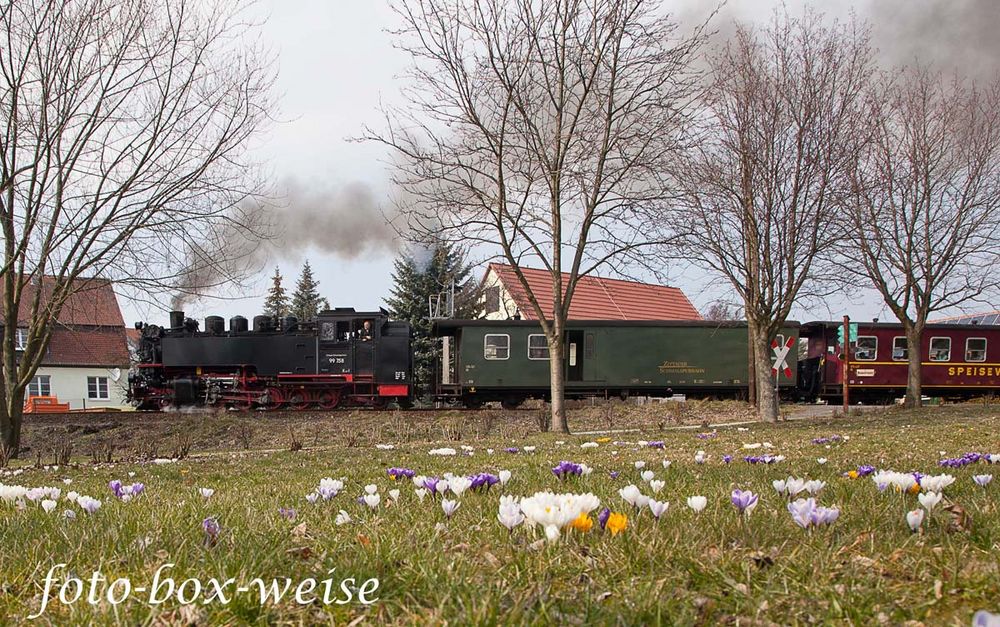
[(764, 185), (125, 126), (543, 131), (925, 216)]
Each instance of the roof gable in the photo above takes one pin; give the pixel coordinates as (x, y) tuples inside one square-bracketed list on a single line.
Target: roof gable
[(598, 298)]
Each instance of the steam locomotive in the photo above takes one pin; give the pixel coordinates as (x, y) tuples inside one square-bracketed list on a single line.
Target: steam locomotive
[(342, 358)]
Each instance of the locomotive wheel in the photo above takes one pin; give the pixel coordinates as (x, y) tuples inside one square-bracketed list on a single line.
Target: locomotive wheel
[(275, 399), (328, 400), (299, 400)]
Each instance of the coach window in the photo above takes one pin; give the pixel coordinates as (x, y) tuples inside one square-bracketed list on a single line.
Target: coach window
[(975, 349), (940, 349), (900, 351), (866, 348), (496, 346), (538, 346), (41, 385)]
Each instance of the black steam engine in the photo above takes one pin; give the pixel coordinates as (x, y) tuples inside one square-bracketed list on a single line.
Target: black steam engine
[(342, 358)]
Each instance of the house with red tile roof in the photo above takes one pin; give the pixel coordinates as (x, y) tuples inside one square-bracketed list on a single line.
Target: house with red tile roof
[(87, 361), (595, 298)]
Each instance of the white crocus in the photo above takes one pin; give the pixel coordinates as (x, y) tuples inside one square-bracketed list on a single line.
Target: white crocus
[(48, 505), (915, 518), (450, 506), (666, 464), (372, 500), (343, 518), (206, 492), (510, 514), (639, 465), (656, 485), (929, 499), (421, 493), (394, 495), (814, 486), (458, 485), (658, 508), (631, 495), (504, 476), (371, 488), (697, 503), (647, 475)]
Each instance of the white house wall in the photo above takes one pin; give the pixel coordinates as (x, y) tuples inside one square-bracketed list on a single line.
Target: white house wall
[(69, 385), (508, 307)]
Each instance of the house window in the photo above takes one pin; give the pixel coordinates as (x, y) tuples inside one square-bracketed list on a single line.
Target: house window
[(900, 351), (20, 339), (97, 388), (975, 349), (940, 349), (866, 348), (492, 299), (41, 385), (496, 346), (538, 346)]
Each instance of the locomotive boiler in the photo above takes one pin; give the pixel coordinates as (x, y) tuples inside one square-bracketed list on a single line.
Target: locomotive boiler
[(342, 358)]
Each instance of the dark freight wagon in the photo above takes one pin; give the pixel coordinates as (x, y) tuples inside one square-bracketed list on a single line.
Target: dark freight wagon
[(507, 361)]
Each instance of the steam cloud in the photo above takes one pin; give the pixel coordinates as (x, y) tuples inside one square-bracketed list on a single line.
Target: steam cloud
[(346, 222)]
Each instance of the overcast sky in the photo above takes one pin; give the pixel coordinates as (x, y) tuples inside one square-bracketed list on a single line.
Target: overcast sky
[(336, 63)]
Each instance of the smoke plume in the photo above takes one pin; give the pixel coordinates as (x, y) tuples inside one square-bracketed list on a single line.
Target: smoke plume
[(346, 222)]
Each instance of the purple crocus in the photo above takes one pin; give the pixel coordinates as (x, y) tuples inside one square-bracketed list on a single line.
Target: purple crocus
[(726, 459), (614, 474), (565, 469), (430, 483), (512, 449), (483, 481), (396, 473), (116, 487), (864, 470), (602, 518), (964, 460), (211, 528), (744, 500), (656, 444), (287, 513)]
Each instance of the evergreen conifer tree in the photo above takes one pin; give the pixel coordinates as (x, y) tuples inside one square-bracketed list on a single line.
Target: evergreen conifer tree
[(276, 303), (416, 277), (306, 301)]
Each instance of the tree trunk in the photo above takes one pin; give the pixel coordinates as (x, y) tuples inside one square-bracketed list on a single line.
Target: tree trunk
[(913, 383), (10, 423), (751, 370), (557, 373), (767, 402)]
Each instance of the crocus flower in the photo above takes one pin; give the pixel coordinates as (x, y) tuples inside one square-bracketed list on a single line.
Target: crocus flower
[(700, 457), (421, 493), (431, 484), (343, 518), (565, 469), (602, 518), (554, 511), (446, 452), (633, 496), (616, 523), (727, 459), (504, 476), (820, 460), (69, 514), (394, 495), (450, 507), (656, 444), (801, 511), (915, 518), (329, 488), (530, 449), (372, 500), (639, 465), (744, 500), (396, 473), (647, 475), (287, 513), (982, 480), (512, 449), (206, 492), (312, 497), (371, 488), (697, 503), (211, 528), (583, 522), (483, 481), (814, 486), (116, 487), (936, 483), (929, 499), (656, 485), (666, 464), (614, 474), (458, 485), (658, 508), (510, 514), (88, 504), (589, 445), (48, 505)]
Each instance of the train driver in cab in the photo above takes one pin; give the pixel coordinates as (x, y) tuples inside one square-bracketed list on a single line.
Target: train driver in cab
[(365, 334)]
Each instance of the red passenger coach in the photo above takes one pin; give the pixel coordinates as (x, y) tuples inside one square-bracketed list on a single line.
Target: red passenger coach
[(957, 361)]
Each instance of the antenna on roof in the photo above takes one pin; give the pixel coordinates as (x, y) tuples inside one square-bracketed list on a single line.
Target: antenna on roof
[(441, 306)]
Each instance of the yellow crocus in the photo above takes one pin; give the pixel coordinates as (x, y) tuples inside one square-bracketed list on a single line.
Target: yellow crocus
[(583, 522), (617, 523)]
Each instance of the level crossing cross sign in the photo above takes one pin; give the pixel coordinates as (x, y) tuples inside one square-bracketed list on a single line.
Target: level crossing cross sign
[(780, 354)]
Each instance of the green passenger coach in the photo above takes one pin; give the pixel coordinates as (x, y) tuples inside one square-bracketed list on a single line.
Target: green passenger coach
[(507, 360)]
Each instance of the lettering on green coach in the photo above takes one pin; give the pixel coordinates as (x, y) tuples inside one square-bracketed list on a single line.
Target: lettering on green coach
[(679, 367)]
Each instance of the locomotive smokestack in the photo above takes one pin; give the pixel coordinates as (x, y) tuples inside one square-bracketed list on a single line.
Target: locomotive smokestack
[(176, 319)]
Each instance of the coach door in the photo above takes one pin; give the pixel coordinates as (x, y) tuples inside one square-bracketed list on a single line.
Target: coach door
[(364, 347), (574, 355)]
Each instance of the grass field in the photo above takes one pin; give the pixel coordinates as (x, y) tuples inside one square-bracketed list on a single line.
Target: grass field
[(685, 568)]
